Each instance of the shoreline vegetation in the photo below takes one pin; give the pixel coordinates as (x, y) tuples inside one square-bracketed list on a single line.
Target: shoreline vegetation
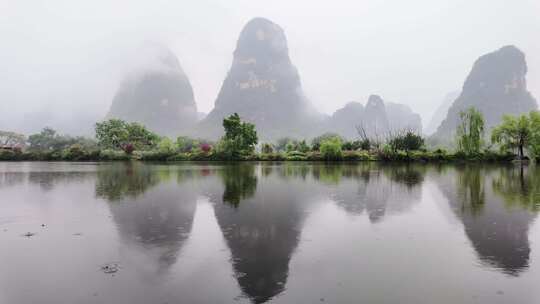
[(516, 138)]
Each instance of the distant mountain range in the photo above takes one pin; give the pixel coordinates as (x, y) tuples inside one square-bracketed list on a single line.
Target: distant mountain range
[(264, 87)]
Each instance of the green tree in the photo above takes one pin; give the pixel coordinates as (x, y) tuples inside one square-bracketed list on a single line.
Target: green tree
[(303, 147), (49, 140), (331, 148), (317, 141), (534, 136), (166, 146), (240, 137), (407, 142), (470, 131), (281, 144), (186, 144), (267, 148), (512, 133), (118, 134), (12, 139)]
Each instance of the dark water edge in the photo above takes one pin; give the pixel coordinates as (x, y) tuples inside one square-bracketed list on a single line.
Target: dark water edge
[(263, 232)]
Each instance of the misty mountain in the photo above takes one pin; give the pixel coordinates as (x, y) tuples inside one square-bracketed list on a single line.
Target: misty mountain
[(157, 95), (495, 86), (402, 117), (377, 118), (263, 87), (440, 113)]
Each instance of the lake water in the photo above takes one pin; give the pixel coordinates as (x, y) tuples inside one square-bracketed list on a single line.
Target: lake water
[(268, 233)]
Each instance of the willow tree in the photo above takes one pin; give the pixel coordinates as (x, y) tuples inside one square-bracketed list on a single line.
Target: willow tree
[(534, 136), (513, 133), (470, 131)]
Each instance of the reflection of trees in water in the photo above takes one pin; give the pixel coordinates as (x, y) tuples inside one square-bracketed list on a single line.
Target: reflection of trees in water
[(10, 179), (123, 180), (262, 230), (520, 187), (240, 182), (47, 180), (154, 221), (498, 234), (471, 190), (379, 189)]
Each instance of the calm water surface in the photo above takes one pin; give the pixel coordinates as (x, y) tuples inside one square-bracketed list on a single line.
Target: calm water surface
[(268, 233)]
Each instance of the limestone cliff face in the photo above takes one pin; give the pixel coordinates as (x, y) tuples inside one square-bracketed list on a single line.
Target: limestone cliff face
[(401, 117), (262, 86), (345, 120), (440, 113), (495, 86), (158, 96)]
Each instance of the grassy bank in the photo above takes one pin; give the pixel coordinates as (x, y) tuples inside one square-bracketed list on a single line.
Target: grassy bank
[(385, 156)]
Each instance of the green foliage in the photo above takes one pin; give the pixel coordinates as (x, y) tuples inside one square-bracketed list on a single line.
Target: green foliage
[(8, 155), (356, 156), (295, 145), (118, 134), (239, 140), (406, 142), (317, 141), (12, 139), (296, 155), (166, 146), (267, 148), (331, 148), (512, 133), (470, 131), (534, 134), (356, 145), (186, 144), (281, 144), (113, 155), (49, 140), (74, 152)]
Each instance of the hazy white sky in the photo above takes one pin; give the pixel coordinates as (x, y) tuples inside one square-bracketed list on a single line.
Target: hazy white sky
[(61, 61)]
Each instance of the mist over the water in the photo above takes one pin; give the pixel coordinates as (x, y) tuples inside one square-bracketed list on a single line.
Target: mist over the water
[(61, 62)]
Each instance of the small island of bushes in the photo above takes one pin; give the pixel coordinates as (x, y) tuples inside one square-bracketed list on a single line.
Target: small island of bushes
[(117, 140)]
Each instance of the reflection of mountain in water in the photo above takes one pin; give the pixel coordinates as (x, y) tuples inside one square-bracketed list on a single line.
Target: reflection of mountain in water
[(10, 179), (263, 229), (378, 190), (499, 234), (155, 221), (47, 180)]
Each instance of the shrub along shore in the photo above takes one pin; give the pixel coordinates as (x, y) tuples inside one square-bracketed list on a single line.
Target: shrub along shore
[(112, 155), (117, 140)]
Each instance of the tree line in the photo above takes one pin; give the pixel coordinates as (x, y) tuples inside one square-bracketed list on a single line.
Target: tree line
[(116, 139)]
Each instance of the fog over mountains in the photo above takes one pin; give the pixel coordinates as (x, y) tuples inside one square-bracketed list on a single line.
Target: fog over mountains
[(158, 96), (66, 72), (263, 87)]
